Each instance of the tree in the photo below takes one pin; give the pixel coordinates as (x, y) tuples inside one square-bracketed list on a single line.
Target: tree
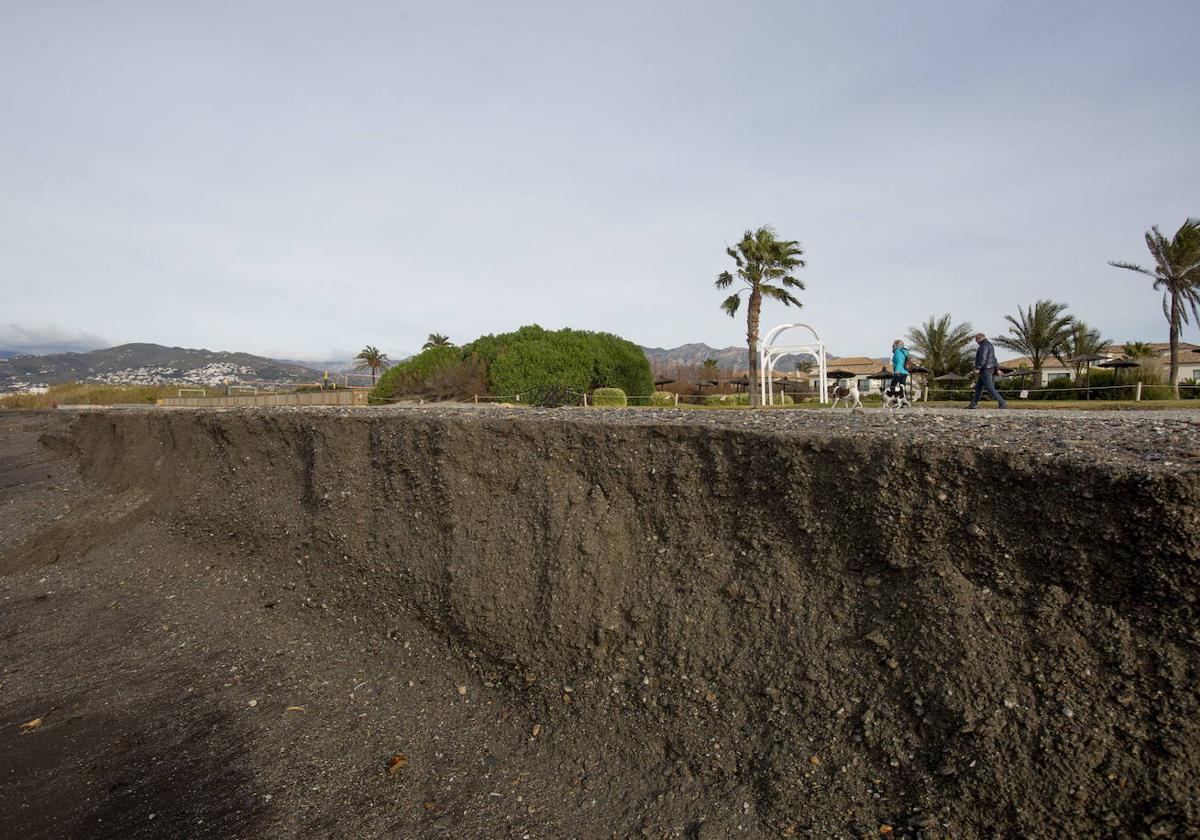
[(766, 265), (710, 368), (436, 340), (1081, 341), (369, 358), (943, 348), (1040, 331), (1138, 350), (805, 365), (1177, 273)]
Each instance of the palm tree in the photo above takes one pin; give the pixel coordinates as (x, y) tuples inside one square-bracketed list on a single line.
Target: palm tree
[(941, 347), (1081, 341), (1040, 332), (1138, 350), (710, 368), (805, 365), (436, 340), (762, 262), (369, 358), (1177, 273)]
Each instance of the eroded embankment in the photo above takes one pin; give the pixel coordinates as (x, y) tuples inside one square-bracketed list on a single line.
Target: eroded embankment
[(1005, 644)]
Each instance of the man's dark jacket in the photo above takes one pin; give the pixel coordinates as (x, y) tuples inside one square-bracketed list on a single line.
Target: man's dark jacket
[(985, 357)]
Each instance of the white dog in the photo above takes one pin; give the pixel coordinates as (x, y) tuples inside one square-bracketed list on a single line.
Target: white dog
[(846, 394)]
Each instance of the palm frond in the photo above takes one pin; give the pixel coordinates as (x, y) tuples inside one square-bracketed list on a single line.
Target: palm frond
[(730, 305), (776, 293), (1132, 267)]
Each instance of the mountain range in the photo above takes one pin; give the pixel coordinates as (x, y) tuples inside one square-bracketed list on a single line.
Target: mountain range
[(734, 358), (146, 364)]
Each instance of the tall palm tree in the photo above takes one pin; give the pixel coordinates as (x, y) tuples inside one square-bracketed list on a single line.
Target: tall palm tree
[(1177, 273), (766, 265), (710, 368), (436, 340), (369, 358), (1039, 333), (943, 348)]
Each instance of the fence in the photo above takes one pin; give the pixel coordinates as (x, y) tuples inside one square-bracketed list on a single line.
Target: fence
[(342, 396), (1134, 389), (665, 399)]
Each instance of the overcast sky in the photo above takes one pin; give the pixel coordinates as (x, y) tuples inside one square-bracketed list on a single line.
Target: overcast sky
[(300, 179)]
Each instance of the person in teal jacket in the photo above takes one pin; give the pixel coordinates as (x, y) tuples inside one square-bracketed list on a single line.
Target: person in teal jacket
[(899, 366)]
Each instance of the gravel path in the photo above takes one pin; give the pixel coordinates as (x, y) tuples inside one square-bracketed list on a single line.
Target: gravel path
[(1160, 440)]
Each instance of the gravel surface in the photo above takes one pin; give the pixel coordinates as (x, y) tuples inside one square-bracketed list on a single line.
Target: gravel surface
[(1168, 438)]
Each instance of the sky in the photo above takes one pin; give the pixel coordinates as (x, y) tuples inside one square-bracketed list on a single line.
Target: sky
[(301, 179)]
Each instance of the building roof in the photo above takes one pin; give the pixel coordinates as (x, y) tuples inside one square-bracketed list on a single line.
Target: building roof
[(1024, 361), (858, 365), (1159, 346)]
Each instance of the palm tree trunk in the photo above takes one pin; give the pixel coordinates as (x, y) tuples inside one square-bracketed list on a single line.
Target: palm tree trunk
[(1174, 340), (752, 313)]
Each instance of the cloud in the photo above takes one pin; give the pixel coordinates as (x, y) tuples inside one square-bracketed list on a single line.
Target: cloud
[(23, 338)]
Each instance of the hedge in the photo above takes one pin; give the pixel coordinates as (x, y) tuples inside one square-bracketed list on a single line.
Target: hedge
[(515, 363), (533, 357), (409, 376)]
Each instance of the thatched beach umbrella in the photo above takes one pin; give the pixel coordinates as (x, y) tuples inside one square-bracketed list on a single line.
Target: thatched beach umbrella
[(838, 374), (1118, 365)]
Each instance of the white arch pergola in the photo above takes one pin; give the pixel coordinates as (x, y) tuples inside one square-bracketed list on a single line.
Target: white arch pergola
[(769, 352)]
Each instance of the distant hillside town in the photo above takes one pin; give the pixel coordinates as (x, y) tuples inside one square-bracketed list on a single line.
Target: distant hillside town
[(147, 364)]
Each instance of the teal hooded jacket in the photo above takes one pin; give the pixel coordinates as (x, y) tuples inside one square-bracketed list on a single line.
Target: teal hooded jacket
[(900, 360)]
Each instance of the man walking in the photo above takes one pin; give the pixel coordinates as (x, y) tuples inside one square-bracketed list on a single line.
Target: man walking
[(985, 370)]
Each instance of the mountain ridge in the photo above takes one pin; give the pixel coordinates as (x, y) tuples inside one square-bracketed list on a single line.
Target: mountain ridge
[(695, 353), (141, 363)]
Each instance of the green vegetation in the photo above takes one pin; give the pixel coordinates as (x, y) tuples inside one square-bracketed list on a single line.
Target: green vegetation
[(609, 397), (1081, 341), (742, 399), (82, 393), (943, 347), (1176, 273), (515, 363), (662, 398), (436, 340), (762, 262), (1039, 331), (1138, 350), (421, 375)]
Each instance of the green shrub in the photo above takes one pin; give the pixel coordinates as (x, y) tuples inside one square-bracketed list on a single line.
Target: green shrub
[(609, 397), (727, 399), (533, 357), (515, 363), (408, 378), (662, 398), (1159, 392)]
